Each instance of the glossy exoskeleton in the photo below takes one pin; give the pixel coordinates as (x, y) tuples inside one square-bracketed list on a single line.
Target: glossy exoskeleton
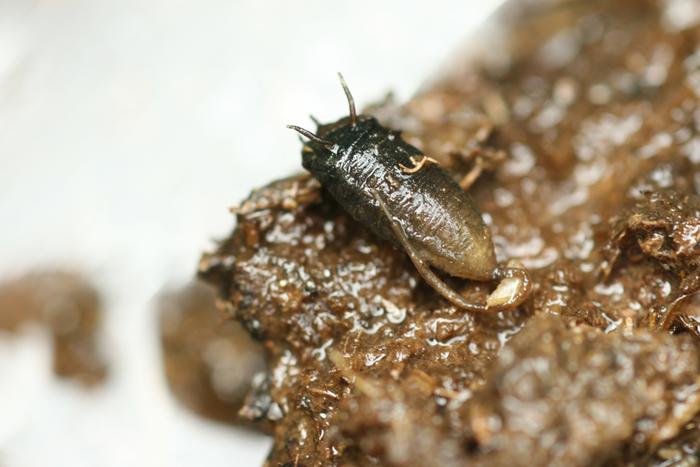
[(402, 195)]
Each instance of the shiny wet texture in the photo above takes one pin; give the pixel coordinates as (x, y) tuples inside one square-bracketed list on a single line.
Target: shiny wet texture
[(596, 106), (366, 161)]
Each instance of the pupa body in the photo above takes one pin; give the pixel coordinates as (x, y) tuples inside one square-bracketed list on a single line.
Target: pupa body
[(437, 216), (389, 186)]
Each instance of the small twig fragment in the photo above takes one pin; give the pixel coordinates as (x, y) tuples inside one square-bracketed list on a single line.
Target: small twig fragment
[(417, 164)]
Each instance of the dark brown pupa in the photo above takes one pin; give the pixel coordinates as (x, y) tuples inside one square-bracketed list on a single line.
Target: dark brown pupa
[(402, 195)]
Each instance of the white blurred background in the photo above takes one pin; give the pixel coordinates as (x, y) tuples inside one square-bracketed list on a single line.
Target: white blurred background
[(127, 128)]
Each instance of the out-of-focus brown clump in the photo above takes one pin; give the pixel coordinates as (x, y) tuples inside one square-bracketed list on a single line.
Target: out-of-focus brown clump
[(663, 228), (584, 117), (209, 362), (574, 396), (70, 308)]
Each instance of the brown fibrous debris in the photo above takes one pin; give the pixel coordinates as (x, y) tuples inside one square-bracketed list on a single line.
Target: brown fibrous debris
[(596, 108)]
